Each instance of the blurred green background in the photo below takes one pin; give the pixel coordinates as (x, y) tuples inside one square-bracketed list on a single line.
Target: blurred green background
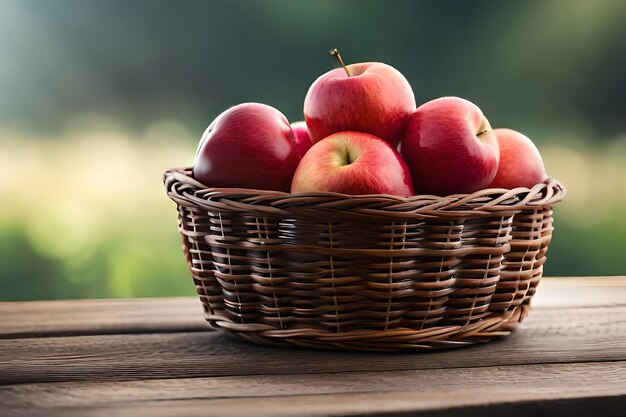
[(98, 98)]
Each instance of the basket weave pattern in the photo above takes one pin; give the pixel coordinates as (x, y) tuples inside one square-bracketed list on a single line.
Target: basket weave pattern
[(364, 273)]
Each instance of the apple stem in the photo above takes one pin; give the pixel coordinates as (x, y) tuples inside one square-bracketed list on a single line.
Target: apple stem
[(334, 52)]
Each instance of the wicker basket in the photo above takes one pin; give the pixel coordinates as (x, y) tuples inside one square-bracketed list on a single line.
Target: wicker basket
[(370, 272)]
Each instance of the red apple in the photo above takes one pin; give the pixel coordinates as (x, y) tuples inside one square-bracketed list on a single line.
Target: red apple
[(375, 98), (520, 162), (248, 146), (353, 163), (450, 148), (301, 135)]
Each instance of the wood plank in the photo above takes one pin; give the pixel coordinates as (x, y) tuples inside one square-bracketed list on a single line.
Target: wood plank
[(310, 406), (548, 336), (566, 292), (328, 394), (85, 317)]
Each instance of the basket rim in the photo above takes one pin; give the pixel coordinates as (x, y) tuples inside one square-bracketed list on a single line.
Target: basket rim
[(184, 189)]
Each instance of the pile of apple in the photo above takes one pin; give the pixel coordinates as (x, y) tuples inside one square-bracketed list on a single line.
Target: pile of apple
[(363, 134)]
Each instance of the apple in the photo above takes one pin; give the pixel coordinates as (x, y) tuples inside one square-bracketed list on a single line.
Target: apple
[(369, 97), (450, 147), (250, 145), (302, 138), (353, 163), (520, 162)]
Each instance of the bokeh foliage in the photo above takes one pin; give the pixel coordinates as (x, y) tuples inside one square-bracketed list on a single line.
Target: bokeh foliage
[(99, 98)]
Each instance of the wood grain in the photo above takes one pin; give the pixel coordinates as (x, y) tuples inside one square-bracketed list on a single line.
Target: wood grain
[(578, 292), (151, 357), (84, 317), (368, 405), (558, 335), (165, 315), (324, 394)]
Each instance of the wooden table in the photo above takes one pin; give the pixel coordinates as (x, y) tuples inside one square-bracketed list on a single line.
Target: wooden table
[(155, 357)]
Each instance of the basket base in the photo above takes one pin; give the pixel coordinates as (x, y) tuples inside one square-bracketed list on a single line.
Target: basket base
[(391, 340)]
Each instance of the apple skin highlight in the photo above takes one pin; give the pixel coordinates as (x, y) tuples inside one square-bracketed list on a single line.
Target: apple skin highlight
[(302, 138), (375, 99), (450, 148), (353, 163)]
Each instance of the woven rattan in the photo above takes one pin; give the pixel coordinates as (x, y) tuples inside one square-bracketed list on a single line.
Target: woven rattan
[(372, 272)]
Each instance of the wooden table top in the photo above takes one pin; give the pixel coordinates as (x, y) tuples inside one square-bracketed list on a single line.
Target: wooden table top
[(157, 357)]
